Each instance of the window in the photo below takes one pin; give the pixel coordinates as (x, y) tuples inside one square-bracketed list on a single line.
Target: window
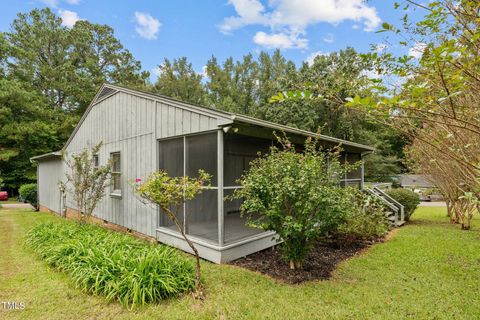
[(116, 173), (95, 161)]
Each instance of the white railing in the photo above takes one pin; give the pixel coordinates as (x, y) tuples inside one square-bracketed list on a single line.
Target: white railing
[(397, 208)]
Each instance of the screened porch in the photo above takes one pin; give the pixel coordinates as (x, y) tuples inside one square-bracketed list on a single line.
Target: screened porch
[(212, 216)]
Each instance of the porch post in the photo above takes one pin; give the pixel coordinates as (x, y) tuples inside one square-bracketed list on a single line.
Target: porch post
[(363, 172), (221, 227)]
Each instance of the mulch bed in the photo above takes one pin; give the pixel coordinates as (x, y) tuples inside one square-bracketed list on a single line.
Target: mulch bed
[(320, 263)]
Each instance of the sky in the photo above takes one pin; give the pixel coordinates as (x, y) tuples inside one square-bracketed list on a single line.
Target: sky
[(197, 29)]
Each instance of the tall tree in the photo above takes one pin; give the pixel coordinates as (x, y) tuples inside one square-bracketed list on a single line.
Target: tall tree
[(49, 74), (178, 80), (68, 65)]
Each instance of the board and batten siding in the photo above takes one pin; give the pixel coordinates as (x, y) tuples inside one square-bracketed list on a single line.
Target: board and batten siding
[(131, 125), (50, 173)]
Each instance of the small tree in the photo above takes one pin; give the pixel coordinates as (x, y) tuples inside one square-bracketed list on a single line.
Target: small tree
[(169, 194), (297, 195), (86, 180)]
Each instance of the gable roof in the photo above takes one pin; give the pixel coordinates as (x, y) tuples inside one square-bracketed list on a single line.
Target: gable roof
[(228, 118)]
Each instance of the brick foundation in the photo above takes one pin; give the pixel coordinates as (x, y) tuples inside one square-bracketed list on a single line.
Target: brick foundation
[(45, 209)]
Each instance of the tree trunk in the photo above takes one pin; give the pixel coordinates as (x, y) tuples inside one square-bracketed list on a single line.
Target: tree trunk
[(198, 291), (292, 265), (299, 264)]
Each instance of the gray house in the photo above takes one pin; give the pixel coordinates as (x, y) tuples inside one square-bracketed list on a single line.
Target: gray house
[(142, 133)]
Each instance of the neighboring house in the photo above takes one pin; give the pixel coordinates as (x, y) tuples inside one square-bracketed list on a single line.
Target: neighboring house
[(414, 181), (142, 133)]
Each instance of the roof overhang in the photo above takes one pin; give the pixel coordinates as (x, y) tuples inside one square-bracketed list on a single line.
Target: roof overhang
[(331, 141), (47, 156)]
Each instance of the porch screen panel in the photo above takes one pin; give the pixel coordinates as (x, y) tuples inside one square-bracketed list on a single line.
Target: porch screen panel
[(202, 212), (239, 152), (170, 156), (202, 216), (353, 158), (202, 154), (352, 178)]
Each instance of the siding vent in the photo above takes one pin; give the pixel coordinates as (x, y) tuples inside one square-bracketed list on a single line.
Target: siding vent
[(105, 92)]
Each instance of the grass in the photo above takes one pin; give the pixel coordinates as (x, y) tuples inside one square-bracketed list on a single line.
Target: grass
[(113, 264), (429, 269)]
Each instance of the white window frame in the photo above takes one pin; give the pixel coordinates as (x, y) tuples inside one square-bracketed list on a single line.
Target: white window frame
[(116, 192)]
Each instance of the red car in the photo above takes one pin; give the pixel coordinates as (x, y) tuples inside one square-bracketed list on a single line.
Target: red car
[(3, 196)]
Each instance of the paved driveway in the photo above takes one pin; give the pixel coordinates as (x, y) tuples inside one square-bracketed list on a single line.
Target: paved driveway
[(16, 205), (432, 204)]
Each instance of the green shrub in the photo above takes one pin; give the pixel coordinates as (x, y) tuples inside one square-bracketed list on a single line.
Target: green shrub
[(407, 198), (111, 264), (28, 192), (297, 195), (365, 221)]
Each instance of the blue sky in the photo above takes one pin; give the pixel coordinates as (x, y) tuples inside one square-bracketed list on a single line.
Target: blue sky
[(154, 29)]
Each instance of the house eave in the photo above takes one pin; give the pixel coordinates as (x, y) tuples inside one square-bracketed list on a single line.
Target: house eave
[(275, 126), (46, 156)]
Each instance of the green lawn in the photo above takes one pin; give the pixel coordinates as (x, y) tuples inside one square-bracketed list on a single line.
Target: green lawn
[(428, 270)]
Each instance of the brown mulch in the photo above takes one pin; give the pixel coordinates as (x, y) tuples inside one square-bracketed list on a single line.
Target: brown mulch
[(319, 265)]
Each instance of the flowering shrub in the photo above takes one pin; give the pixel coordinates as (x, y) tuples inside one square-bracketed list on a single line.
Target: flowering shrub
[(297, 195)]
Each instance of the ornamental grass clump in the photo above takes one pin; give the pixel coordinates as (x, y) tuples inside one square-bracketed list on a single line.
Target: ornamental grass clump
[(111, 264)]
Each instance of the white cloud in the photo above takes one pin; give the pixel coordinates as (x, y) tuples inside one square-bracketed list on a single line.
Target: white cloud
[(371, 74), (55, 3), (328, 38), (51, 3), (249, 12), (204, 72), (291, 18), (157, 71), (68, 17), (279, 40), (147, 26), (379, 48), (311, 58), (417, 50)]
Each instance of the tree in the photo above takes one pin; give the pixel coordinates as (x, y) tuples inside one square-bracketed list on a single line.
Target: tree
[(436, 104), (48, 76), (86, 180), (27, 128), (99, 57), (169, 194), (297, 195), (68, 65), (178, 80)]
